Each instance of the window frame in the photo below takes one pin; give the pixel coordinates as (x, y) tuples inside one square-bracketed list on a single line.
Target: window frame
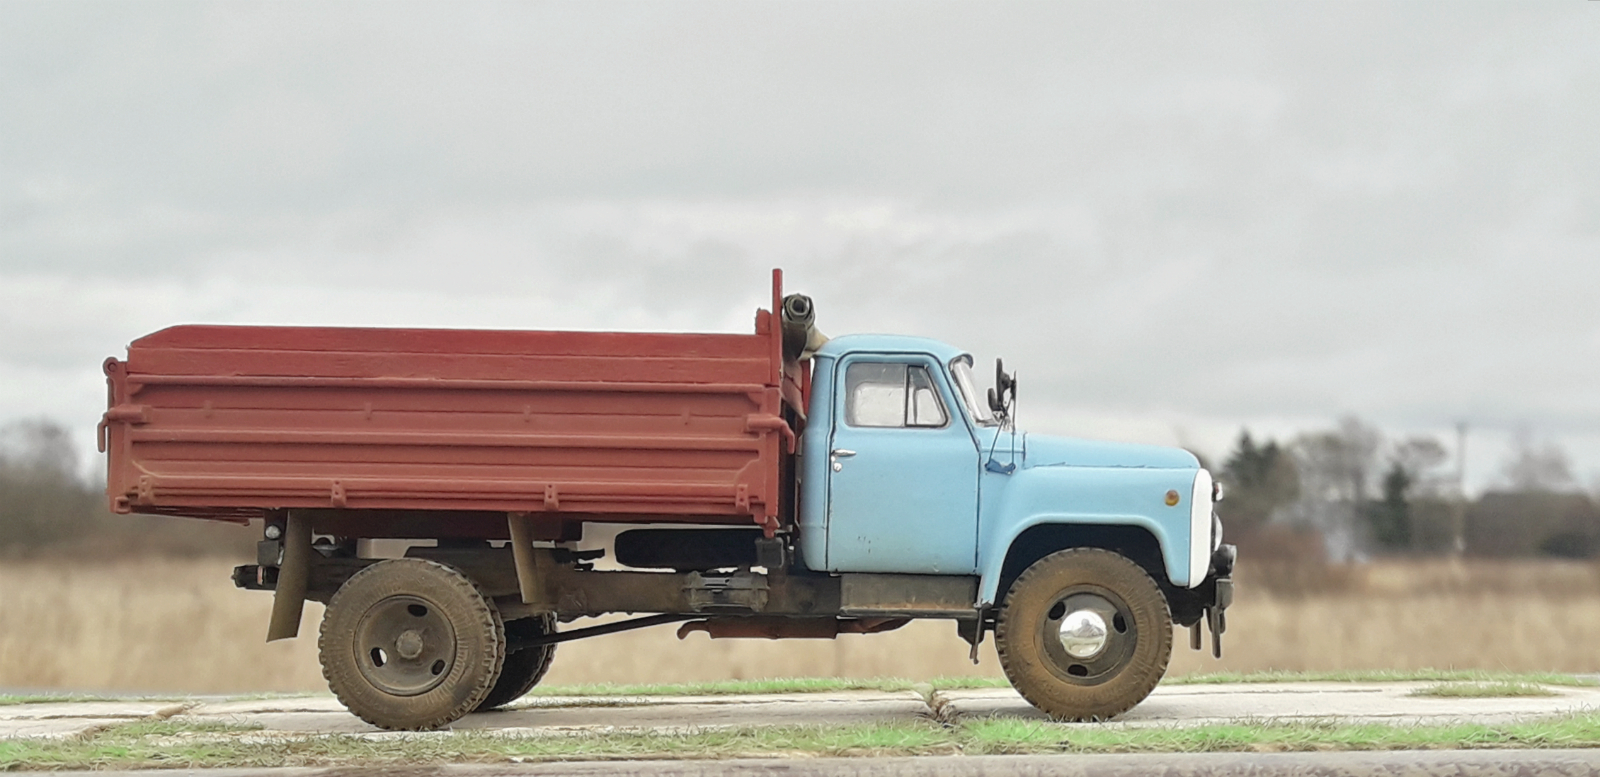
[(971, 403), (908, 399)]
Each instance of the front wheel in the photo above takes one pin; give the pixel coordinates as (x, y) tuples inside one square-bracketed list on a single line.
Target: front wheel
[(1084, 634)]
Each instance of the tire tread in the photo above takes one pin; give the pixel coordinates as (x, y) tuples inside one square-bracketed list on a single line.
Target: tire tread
[(484, 614), (509, 688), (1014, 660)]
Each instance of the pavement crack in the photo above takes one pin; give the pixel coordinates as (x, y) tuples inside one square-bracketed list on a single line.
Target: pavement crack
[(940, 708), (173, 709), (116, 715), (161, 714)]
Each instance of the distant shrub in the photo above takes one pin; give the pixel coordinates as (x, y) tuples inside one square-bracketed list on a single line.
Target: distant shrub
[(47, 509)]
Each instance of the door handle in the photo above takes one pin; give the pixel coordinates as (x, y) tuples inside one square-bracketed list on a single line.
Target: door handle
[(839, 453)]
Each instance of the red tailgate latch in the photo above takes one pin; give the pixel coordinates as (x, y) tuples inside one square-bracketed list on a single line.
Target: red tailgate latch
[(761, 423), (120, 414)]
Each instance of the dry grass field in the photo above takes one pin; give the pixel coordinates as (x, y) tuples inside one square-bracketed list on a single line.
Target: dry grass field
[(180, 626)]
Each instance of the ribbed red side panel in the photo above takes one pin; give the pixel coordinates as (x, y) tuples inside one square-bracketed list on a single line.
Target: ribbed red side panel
[(224, 422)]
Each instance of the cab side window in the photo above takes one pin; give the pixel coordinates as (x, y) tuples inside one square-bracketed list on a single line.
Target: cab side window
[(891, 396)]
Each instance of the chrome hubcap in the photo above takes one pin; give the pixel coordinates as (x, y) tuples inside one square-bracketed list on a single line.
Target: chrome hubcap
[(1083, 634), (1088, 635)]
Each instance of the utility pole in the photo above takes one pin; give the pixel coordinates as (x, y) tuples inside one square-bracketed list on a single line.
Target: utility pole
[(1458, 545)]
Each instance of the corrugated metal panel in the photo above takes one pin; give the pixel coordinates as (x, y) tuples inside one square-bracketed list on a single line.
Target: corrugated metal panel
[(228, 422)]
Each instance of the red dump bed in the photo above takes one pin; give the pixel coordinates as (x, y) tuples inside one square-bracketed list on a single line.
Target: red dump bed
[(230, 422)]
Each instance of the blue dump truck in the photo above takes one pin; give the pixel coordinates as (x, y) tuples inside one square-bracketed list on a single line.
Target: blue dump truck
[(775, 485)]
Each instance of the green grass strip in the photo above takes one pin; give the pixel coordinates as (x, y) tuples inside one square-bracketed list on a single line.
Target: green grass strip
[(1495, 690), (891, 684), (7, 699), (193, 745), (66, 698), (1016, 736), (179, 744), (1385, 676), (835, 684), (772, 685)]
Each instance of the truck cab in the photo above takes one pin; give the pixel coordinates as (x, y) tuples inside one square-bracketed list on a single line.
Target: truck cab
[(905, 469)]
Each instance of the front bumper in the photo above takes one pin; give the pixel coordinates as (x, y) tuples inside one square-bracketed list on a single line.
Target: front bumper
[(1208, 602)]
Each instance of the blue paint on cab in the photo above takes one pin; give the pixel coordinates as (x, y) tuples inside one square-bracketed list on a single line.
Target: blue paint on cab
[(927, 500)]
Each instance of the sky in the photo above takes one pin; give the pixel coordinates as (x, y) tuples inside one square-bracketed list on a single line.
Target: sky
[(1173, 221)]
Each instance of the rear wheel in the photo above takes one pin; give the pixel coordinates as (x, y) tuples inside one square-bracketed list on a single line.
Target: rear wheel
[(411, 644), (524, 668), (1084, 634)]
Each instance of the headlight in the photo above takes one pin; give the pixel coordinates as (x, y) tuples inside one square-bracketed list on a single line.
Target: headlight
[(1202, 521)]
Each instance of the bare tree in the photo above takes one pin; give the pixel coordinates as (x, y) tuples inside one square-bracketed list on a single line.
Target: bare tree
[(1535, 465), (41, 500), (38, 446), (1336, 470), (1338, 465), (45, 506), (1419, 458)]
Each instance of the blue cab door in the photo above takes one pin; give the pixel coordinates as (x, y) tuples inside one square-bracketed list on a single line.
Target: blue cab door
[(903, 470)]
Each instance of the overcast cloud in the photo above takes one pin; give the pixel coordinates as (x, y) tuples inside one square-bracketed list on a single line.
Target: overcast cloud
[(1173, 220)]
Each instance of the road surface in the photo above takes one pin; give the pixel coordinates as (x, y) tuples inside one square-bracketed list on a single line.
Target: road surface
[(1172, 705)]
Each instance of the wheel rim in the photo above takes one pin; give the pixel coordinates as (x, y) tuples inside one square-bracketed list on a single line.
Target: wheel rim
[(1088, 634), (404, 645)]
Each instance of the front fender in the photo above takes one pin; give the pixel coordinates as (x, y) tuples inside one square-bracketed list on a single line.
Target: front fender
[(1104, 496)]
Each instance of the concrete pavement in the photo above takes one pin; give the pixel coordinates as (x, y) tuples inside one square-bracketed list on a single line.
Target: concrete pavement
[(1189, 705), (1172, 705)]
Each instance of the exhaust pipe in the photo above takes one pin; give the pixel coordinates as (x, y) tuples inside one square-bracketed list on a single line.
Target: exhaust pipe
[(800, 336)]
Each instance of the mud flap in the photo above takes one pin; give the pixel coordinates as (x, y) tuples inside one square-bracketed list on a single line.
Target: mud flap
[(290, 600), (529, 582)]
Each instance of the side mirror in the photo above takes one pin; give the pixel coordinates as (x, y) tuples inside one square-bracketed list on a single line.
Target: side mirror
[(1002, 381), (1003, 384)]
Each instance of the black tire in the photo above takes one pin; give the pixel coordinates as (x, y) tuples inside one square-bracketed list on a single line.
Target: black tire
[(410, 644), (1093, 684), (523, 669)]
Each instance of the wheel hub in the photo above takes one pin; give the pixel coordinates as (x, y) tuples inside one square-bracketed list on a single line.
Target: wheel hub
[(1083, 633), (1088, 635), (409, 644), (405, 645)]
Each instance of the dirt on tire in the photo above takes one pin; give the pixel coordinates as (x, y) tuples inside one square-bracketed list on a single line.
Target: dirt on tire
[(523, 669), (1044, 681), (474, 659)]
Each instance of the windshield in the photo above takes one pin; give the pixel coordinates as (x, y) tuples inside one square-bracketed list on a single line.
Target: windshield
[(961, 368)]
